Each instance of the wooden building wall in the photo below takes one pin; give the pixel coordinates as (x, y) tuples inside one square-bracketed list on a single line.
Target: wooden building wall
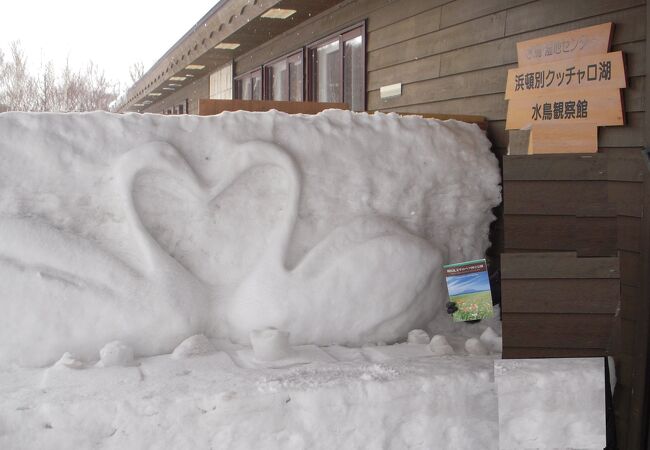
[(573, 266), (452, 56)]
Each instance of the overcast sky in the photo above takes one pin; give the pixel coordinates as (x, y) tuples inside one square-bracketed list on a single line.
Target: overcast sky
[(113, 34)]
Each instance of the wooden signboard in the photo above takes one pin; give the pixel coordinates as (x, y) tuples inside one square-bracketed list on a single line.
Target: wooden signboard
[(566, 86), (597, 106), (569, 45), (594, 71)]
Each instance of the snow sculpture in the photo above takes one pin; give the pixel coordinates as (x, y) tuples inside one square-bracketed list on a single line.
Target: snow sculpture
[(115, 353), (418, 337), (270, 344), (150, 229), (474, 346), (193, 346), (439, 346)]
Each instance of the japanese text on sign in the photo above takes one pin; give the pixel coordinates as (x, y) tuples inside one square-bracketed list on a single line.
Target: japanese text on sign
[(572, 75), (557, 47), (562, 110)]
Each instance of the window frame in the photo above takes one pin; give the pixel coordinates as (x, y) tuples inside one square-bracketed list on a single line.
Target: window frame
[(341, 36), (250, 74), (298, 54)]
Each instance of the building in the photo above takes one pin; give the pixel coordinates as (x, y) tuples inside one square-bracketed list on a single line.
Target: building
[(450, 57)]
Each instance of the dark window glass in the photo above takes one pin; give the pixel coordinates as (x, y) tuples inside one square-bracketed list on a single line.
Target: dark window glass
[(353, 73), (256, 81), (249, 86), (278, 80), (327, 65), (336, 69), (295, 78)]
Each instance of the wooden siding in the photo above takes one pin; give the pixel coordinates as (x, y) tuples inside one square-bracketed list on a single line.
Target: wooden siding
[(452, 56), (458, 64), (585, 218)]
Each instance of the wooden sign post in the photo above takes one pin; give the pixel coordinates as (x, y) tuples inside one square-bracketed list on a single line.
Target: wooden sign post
[(566, 85)]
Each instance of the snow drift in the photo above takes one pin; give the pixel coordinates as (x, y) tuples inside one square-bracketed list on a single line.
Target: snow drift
[(149, 229)]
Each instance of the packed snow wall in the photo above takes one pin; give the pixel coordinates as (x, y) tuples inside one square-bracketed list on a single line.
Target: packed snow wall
[(150, 228)]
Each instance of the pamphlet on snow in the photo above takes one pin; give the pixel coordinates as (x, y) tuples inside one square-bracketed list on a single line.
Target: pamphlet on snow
[(468, 284)]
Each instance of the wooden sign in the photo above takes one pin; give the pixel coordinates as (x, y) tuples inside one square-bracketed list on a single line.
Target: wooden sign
[(547, 138), (566, 86), (597, 106), (569, 45)]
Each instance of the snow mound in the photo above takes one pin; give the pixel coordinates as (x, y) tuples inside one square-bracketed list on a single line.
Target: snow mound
[(115, 353), (475, 347), (439, 346), (491, 340), (148, 229), (417, 337), (192, 346)]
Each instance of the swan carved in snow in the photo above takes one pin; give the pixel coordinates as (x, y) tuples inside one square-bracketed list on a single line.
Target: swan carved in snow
[(69, 294), (367, 281)]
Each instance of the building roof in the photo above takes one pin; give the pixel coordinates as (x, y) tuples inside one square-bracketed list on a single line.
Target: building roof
[(241, 22)]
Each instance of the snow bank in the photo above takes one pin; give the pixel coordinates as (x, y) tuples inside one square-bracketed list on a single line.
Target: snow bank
[(149, 229), (208, 401)]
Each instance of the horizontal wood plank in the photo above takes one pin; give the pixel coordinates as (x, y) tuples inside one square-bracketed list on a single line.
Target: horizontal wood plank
[(630, 268), (469, 85), (630, 28), (626, 195), (414, 26), (602, 166), (536, 232), (491, 106), (556, 265), (629, 233), (462, 35), (588, 296), (595, 236), (541, 197), (630, 302), (630, 135), (464, 10), (545, 13), (394, 11), (579, 331), (409, 72)]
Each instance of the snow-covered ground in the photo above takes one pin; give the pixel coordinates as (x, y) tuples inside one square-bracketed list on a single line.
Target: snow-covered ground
[(376, 397)]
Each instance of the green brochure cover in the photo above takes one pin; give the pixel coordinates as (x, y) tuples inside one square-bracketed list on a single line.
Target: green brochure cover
[(468, 284)]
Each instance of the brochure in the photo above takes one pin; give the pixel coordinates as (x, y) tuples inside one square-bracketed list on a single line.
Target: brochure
[(468, 284)]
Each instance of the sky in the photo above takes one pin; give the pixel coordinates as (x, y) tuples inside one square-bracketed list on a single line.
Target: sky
[(114, 34), (466, 283)]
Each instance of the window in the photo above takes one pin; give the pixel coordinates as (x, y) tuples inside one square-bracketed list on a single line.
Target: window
[(337, 69), (221, 83), (249, 86), (181, 108), (284, 78)]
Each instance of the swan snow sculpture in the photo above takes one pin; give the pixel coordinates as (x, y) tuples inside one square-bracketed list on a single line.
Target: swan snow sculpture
[(83, 261), (367, 281), (74, 296)]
